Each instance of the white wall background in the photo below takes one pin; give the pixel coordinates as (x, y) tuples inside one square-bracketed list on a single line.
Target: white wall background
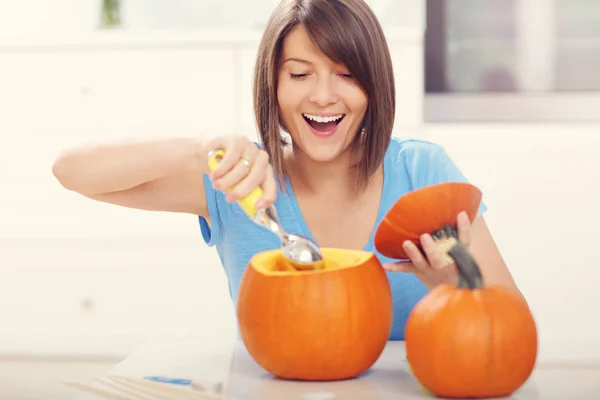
[(80, 277)]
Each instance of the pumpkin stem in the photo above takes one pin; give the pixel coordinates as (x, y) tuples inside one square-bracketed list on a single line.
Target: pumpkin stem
[(469, 274), (468, 269), (463, 283)]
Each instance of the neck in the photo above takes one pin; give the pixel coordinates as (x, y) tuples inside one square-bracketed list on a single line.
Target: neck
[(332, 177)]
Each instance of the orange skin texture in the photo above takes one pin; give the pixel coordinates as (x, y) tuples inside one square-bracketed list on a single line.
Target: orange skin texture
[(324, 325), (471, 343), (424, 210)]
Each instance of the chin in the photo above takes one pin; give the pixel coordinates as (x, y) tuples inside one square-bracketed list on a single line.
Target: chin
[(323, 153), (320, 150)]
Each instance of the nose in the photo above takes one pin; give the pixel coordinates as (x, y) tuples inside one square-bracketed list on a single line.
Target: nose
[(324, 92)]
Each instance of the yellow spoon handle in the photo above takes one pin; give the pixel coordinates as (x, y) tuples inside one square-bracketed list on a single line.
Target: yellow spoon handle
[(248, 203)]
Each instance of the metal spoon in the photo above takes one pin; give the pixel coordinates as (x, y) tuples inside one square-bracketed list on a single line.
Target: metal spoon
[(301, 252)]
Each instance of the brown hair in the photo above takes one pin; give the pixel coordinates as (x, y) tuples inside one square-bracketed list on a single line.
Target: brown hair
[(348, 33)]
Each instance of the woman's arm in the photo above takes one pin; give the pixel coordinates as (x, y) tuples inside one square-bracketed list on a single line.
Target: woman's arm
[(155, 174), (166, 174), (485, 252)]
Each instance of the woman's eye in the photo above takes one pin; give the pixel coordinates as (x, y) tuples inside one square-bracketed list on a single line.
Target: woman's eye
[(349, 76), (297, 76)]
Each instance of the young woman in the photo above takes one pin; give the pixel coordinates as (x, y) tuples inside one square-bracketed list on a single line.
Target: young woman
[(324, 77)]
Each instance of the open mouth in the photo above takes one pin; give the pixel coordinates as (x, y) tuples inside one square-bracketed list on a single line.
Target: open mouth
[(323, 124)]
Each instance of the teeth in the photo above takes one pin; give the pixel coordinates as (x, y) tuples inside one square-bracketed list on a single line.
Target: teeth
[(317, 118)]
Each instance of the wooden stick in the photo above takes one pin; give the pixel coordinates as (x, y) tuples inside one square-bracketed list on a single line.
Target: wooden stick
[(97, 392), (143, 389), (156, 394), (164, 391), (170, 388), (135, 391)]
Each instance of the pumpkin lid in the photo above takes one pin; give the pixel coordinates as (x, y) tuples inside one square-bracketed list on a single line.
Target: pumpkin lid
[(424, 210)]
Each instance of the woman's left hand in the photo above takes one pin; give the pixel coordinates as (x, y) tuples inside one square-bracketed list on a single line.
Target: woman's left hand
[(432, 267)]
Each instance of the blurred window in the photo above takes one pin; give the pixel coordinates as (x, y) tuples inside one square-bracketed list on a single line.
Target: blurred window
[(511, 60)]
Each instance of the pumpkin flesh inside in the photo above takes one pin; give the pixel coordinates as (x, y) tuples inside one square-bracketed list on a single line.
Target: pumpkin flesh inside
[(274, 263), (319, 325)]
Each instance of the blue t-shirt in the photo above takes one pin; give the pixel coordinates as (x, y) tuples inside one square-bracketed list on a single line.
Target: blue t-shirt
[(408, 165)]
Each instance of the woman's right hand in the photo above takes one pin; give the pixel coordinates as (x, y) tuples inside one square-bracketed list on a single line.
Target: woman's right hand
[(243, 168)]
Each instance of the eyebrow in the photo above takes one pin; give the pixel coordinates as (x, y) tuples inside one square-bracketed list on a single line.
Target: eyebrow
[(297, 60)]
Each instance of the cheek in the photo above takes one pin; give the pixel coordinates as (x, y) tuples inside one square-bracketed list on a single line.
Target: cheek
[(285, 111), (354, 97), (358, 101), (288, 100)]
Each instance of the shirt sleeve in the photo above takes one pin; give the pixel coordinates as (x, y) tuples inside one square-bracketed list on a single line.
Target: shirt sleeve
[(429, 164), (218, 212)]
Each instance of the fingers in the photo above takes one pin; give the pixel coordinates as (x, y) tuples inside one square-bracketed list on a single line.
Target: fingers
[(234, 150), (464, 228), (431, 265), (400, 267), (243, 168), (427, 263), (418, 259), (269, 188), (251, 180), (239, 170), (437, 259)]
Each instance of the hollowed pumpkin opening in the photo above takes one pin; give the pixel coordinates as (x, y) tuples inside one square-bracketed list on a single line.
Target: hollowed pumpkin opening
[(273, 262)]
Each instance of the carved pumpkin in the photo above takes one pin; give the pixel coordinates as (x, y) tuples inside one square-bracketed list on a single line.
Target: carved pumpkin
[(469, 340), (319, 325)]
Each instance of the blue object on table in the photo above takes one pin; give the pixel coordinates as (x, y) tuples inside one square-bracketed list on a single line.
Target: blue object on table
[(173, 381)]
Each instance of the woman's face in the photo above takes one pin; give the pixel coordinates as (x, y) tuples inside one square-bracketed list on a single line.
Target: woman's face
[(321, 105)]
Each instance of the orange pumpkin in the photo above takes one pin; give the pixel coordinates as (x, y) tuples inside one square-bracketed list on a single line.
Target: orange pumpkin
[(469, 340), (319, 325)]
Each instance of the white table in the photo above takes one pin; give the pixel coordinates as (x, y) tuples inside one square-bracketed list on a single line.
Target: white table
[(242, 379)]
